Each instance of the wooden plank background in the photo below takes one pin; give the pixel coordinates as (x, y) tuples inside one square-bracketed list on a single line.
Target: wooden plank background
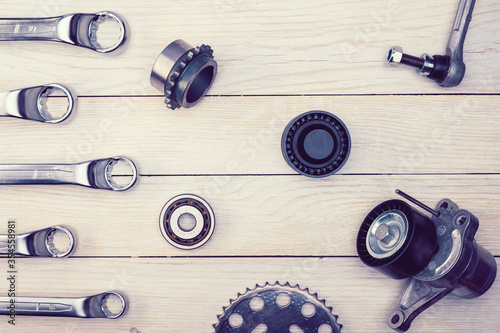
[(277, 60)]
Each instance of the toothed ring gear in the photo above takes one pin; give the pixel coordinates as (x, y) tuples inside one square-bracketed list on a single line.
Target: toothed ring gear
[(184, 73), (277, 308)]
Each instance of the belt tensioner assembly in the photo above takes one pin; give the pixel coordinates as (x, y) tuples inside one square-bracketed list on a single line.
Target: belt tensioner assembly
[(438, 254)]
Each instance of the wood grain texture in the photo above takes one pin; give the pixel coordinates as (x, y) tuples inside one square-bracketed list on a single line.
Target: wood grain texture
[(242, 135), (256, 216), (276, 60), (186, 295), (264, 47)]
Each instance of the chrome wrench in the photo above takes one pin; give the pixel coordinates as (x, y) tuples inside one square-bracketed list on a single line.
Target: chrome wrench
[(30, 103), (95, 306), (38, 243), (94, 174), (75, 29)]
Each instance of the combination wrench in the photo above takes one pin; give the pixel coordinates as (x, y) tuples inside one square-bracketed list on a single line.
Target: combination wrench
[(75, 29), (95, 306), (30, 103), (447, 70), (38, 243), (94, 174)]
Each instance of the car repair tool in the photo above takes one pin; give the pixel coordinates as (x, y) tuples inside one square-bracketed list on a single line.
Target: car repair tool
[(277, 308), (95, 174), (96, 306), (447, 70), (187, 237), (184, 73), (316, 144), (38, 243), (31, 103), (75, 29), (438, 254)]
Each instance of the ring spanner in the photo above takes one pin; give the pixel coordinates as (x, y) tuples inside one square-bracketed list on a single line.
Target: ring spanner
[(83, 307), (94, 174), (74, 29), (38, 243), (30, 103)]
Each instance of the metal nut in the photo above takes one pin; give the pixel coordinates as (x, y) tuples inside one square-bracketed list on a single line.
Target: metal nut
[(395, 55)]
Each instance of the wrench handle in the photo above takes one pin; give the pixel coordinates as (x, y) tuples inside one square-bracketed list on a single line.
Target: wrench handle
[(37, 174), (29, 29)]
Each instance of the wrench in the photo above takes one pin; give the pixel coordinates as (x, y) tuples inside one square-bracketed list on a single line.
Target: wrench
[(74, 29), (94, 174), (83, 307), (29, 103), (38, 243), (447, 70)]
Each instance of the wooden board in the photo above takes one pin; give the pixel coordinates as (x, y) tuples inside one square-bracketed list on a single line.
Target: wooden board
[(186, 295), (264, 47), (276, 61), (242, 135), (255, 215)]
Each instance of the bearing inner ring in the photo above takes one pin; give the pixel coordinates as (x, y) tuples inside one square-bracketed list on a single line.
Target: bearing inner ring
[(170, 221)]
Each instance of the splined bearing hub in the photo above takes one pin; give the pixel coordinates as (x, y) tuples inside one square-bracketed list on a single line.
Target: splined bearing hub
[(316, 144), (184, 73), (175, 233), (277, 308)]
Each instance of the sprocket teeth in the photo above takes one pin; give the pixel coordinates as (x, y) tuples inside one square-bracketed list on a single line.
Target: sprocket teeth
[(287, 287), (181, 66)]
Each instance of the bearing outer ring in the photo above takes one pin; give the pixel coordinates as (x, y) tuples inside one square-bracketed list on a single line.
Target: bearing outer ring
[(187, 204)]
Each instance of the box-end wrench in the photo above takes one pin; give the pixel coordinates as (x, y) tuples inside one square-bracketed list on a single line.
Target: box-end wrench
[(447, 70), (38, 243), (95, 306), (74, 29), (30, 103), (94, 174)]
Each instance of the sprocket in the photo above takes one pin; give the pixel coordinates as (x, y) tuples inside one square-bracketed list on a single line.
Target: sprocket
[(184, 73), (276, 308), (178, 69)]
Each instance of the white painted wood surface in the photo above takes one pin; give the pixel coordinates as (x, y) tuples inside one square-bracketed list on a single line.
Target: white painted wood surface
[(277, 60)]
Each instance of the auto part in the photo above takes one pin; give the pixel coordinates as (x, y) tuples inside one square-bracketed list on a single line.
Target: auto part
[(184, 73), (30, 103), (439, 254), (278, 308), (95, 306), (75, 29), (316, 144), (94, 174), (447, 70), (38, 243), (190, 237)]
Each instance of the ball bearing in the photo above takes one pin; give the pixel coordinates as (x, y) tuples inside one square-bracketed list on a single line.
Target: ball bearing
[(180, 237)]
